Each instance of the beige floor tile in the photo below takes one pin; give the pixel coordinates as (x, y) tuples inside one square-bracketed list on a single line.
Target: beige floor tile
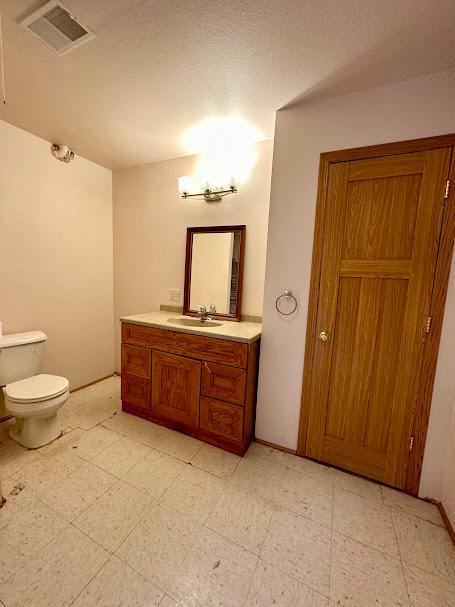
[(121, 456), (75, 493), (427, 590), (216, 461), (272, 588), (364, 520), (117, 585), (309, 496), (92, 442), (13, 457), (306, 466), (114, 515), (178, 445), (14, 502), (89, 415), (412, 505), (138, 429), (159, 544), (72, 405), (195, 493), (61, 442), (31, 528), (95, 393), (424, 544), (46, 561), (258, 476), (268, 453), (57, 573), (46, 472), (154, 473), (364, 577), (242, 517), (300, 548), (84, 410), (355, 484), (168, 602), (215, 572)]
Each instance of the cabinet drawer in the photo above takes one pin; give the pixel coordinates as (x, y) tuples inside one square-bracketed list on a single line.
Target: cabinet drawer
[(223, 419), (223, 382), (136, 361), (136, 391), (195, 346)]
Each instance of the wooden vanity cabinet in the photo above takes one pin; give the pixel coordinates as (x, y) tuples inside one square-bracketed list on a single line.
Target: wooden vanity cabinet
[(202, 386)]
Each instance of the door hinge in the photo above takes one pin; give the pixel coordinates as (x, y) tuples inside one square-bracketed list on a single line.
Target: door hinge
[(428, 325), (446, 195), (411, 443)]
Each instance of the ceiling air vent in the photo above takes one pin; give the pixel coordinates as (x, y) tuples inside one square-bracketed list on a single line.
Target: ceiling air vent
[(54, 24)]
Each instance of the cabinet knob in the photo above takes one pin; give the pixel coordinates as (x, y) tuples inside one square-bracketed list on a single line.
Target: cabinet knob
[(323, 336)]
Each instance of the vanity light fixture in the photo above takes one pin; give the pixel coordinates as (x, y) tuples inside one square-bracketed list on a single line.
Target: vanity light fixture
[(209, 194)]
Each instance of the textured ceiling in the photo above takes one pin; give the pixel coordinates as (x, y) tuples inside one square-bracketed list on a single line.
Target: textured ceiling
[(157, 67)]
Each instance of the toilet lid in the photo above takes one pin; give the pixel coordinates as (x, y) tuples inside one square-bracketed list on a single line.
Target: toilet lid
[(36, 388)]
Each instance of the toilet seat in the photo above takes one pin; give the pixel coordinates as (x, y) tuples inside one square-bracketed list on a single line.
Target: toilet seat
[(36, 389)]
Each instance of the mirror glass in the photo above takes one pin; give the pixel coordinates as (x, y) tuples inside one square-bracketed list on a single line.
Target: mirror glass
[(214, 267)]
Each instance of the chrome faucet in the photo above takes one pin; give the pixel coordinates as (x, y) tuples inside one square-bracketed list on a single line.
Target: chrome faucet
[(203, 314)]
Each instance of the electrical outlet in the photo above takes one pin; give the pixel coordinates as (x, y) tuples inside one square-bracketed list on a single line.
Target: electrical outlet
[(174, 294)]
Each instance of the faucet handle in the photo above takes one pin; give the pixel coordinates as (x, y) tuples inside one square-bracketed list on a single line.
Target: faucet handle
[(202, 309)]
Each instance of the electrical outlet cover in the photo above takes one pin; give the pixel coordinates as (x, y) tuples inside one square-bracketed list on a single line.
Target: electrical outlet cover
[(174, 294)]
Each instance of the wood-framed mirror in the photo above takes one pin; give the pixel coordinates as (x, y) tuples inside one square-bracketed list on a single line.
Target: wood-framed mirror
[(214, 271)]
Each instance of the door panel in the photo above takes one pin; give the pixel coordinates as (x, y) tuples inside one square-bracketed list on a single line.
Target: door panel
[(381, 235), (381, 216), (176, 388)]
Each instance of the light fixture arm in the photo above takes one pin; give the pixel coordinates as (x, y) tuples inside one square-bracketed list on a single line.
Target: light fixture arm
[(211, 195)]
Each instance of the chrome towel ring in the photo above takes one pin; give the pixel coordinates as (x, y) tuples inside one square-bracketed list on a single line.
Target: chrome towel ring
[(288, 296)]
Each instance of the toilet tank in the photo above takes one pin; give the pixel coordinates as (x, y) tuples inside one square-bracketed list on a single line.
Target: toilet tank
[(20, 355)]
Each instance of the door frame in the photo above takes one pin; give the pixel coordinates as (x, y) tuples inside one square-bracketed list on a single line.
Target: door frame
[(438, 297)]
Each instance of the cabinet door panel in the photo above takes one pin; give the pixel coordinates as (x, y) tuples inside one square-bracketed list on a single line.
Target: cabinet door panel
[(220, 418), (176, 388), (136, 391), (223, 382), (136, 361)]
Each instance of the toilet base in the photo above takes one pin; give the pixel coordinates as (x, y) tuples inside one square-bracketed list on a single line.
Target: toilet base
[(35, 432)]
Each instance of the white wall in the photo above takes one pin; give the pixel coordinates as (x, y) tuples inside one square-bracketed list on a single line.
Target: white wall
[(448, 479), (404, 110), (150, 221), (56, 255)]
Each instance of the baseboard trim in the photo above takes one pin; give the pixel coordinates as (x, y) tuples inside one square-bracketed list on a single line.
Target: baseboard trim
[(447, 522), (96, 381), (279, 447)]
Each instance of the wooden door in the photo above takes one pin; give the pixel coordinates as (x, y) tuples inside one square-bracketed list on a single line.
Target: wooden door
[(380, 237), (175, 388)]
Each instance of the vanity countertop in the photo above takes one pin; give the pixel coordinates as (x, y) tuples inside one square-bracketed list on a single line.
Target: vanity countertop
[(246, 332)]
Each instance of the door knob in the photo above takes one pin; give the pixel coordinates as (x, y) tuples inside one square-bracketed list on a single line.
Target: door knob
[(323, 336)]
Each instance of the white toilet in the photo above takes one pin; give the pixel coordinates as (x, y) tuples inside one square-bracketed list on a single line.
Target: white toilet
[(32, 398)]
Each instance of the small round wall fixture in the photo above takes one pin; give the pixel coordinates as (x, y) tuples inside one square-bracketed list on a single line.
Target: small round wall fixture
[(288, 297), (62, 152)]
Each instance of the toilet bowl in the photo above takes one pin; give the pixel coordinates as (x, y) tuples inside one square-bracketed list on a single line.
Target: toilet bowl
[(34, 401)]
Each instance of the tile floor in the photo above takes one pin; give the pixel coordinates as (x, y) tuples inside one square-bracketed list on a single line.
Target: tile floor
[(120, 512)]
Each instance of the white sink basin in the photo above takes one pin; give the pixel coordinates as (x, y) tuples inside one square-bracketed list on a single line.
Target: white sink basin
[(194, 322)]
